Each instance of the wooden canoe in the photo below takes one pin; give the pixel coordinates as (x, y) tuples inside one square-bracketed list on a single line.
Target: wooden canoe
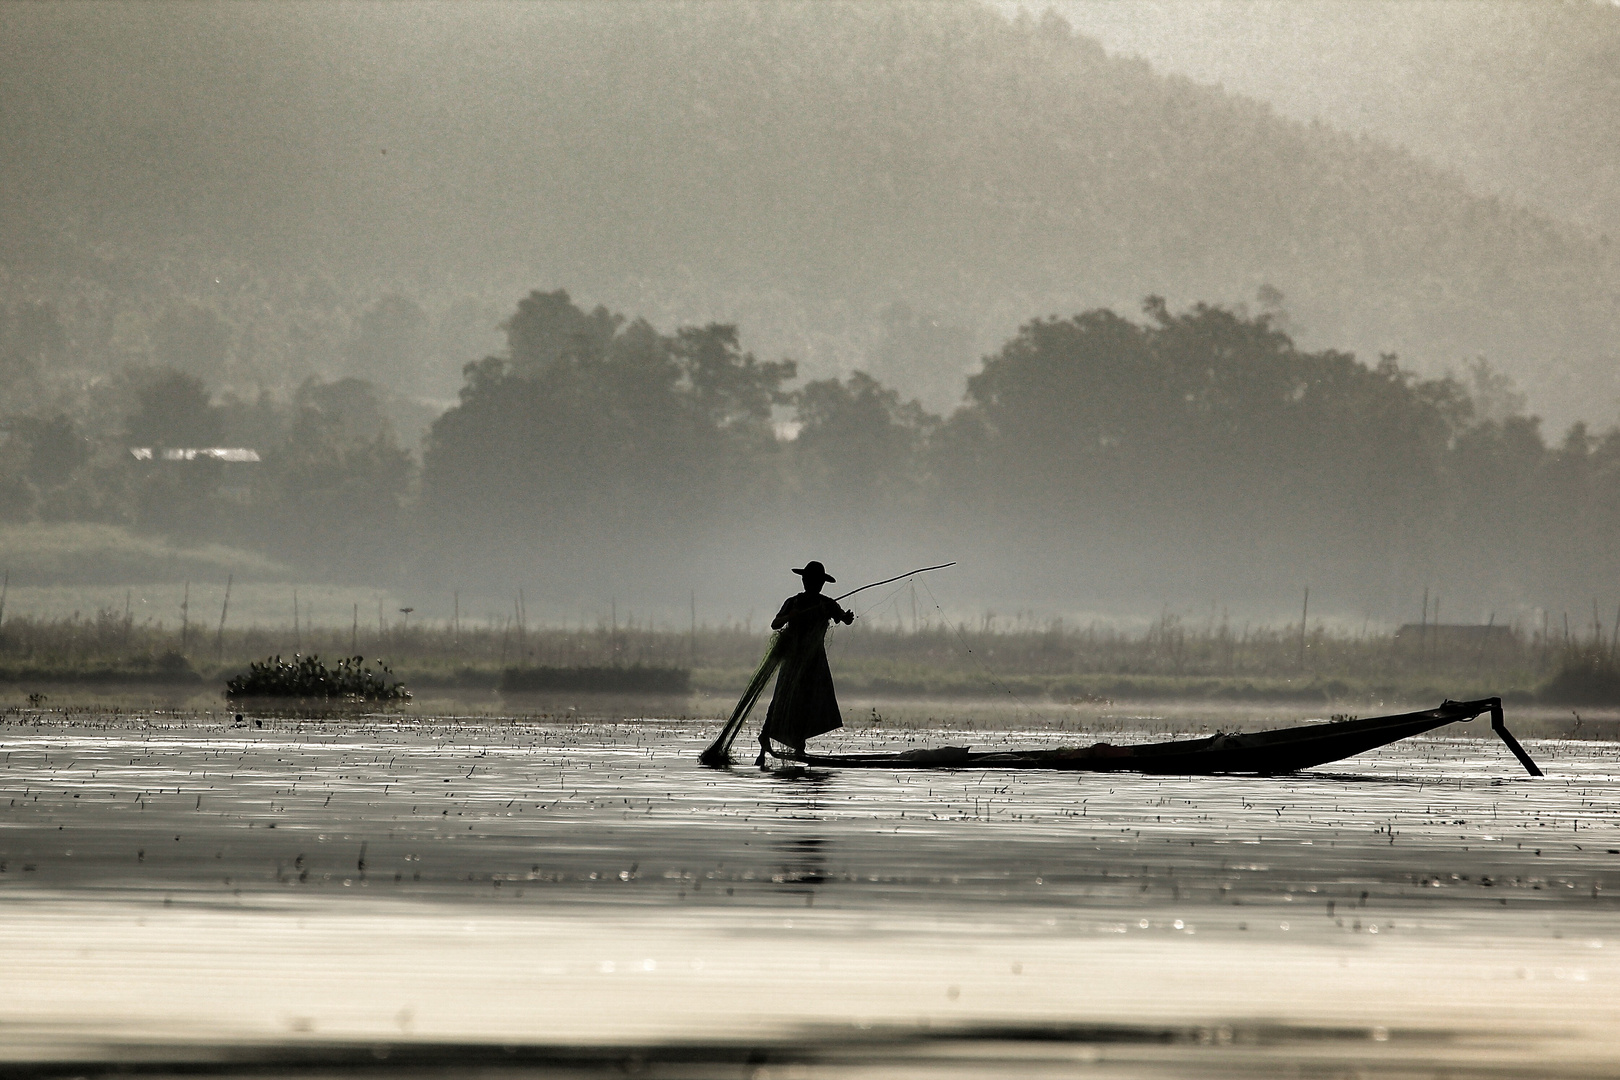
[(1265, 753)]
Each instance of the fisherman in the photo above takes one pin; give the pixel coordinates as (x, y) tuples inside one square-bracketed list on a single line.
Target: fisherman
[(804, 703)]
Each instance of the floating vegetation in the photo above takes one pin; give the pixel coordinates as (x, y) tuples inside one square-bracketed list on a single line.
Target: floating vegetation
[(307, 677), (635, 679)]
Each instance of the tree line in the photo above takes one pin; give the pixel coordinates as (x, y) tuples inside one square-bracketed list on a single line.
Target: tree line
[(1169, 452), (1203, 441)]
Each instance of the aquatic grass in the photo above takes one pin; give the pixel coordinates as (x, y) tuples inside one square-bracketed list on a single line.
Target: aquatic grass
[(307, 677), (1045, 660), (1587, 676)]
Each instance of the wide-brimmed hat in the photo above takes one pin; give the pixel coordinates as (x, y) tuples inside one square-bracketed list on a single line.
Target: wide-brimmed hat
[(814, 569)]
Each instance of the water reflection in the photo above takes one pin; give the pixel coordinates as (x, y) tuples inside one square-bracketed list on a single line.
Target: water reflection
[(803, 863), (515, 883)]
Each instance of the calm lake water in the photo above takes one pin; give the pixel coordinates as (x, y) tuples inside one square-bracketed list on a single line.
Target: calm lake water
[(581, 898)]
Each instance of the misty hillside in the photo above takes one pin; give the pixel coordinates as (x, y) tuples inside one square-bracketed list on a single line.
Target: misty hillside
[(1521, 99), (893, 187)]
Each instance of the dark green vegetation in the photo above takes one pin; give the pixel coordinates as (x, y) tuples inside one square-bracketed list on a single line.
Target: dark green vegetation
[(1008, 660), (1188, 453), (307, 677), (1585, 678)]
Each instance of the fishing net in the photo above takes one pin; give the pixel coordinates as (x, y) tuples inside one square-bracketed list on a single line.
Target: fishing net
[(718, 753)]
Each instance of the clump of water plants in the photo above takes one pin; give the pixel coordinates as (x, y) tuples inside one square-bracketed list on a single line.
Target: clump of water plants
[(308, 677)]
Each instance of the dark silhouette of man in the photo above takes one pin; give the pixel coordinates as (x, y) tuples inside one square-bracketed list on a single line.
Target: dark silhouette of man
[(804, 703)]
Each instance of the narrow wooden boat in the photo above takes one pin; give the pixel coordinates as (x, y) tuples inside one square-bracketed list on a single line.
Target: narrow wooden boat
[(1266, 753)]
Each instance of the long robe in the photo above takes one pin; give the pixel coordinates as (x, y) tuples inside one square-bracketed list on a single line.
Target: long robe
[(804, 703)]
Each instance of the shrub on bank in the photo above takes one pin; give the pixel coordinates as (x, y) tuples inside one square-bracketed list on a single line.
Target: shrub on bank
[(1583, 679)]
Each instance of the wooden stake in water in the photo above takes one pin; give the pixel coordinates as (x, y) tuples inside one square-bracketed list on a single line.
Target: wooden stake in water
[(354, 631), (1423, 629), (219, 640), (1479, 657), (185, 618), (1434, 625), (298, 637), (1614, 634), (1304, 615)]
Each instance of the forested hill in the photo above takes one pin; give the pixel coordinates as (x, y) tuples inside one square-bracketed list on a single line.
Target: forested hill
[(796, 168)]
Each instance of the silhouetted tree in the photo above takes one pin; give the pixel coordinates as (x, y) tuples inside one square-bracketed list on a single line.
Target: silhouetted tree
[(732, 392), (858, 441), (332, 495), (56, 449), (1205, 423), (594, 422), (172, 409), (548, 330)]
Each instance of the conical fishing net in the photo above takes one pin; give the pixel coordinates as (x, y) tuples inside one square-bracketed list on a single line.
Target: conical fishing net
[(719, 752)]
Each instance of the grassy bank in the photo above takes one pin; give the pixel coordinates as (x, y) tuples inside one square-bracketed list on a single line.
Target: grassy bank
[(1051, 663)]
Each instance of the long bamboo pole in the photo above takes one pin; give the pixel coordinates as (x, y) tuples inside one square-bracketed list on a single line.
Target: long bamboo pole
[(897, 577)]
